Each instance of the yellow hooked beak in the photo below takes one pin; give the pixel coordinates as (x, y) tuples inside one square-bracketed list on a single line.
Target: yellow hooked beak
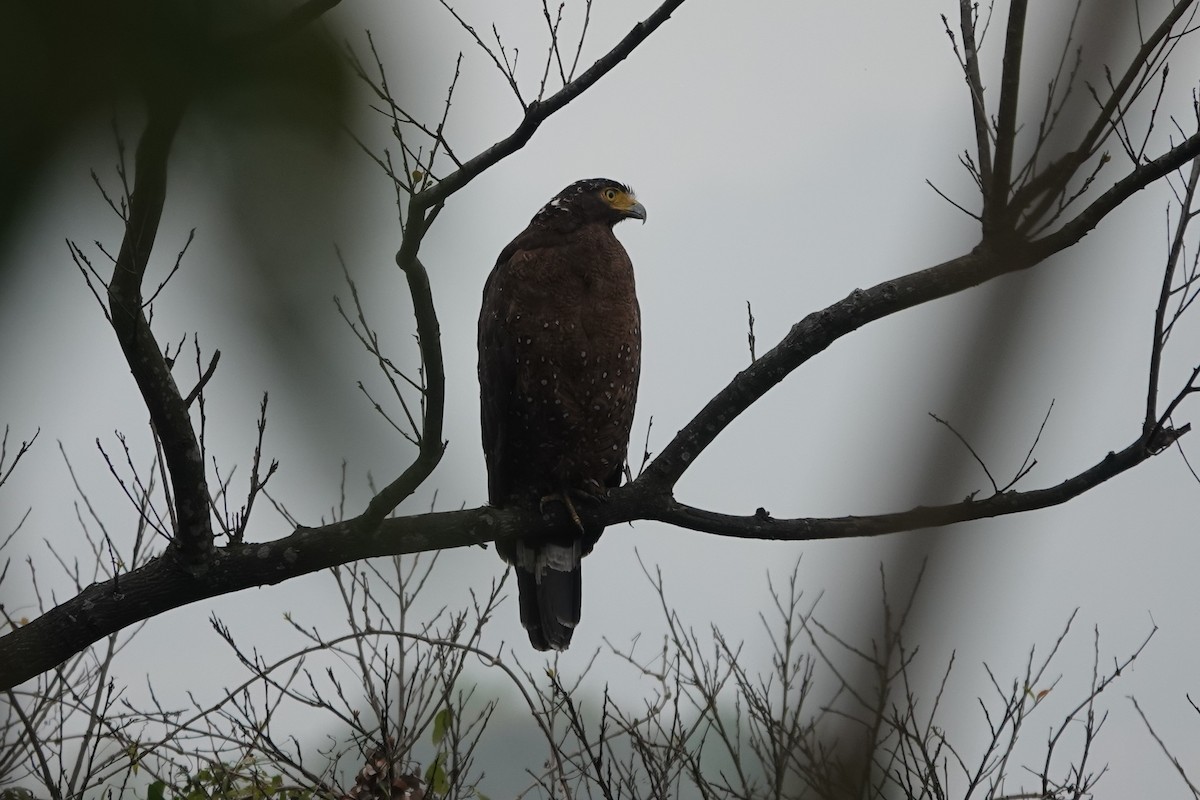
[(628, 205)]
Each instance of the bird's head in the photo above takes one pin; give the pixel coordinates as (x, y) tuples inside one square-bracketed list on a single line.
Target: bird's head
[(596, 199)]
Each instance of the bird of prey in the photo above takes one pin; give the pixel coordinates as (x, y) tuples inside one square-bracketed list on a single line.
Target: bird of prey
[(559, 361)]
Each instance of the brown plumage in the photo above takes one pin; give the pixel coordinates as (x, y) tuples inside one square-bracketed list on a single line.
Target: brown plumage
[(559, 360)]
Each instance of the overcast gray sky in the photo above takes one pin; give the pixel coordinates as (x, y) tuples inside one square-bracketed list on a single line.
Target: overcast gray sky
[(782, 152)]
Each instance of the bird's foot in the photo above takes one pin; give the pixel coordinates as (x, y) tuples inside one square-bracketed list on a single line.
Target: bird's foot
[(565, 499), (591, 491)]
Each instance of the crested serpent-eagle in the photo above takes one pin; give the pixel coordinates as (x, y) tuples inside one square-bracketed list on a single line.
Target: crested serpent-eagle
[(559, 360)]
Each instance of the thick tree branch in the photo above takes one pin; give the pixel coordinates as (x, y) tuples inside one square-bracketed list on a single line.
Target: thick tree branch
[(762, 525), (430, 444), (996, 218), (166, 404), (814, 334), (163, 584), (1137, 179)]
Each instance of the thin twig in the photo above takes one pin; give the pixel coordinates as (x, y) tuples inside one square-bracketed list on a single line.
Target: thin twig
[(1158, 341)]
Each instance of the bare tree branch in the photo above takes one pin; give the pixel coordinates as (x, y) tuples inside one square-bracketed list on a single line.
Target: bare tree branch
[(1136, 180), (1053, 178), (970, 63), (167, 407), (1160, 314), (430, 443), (538, 112), (996, 218)]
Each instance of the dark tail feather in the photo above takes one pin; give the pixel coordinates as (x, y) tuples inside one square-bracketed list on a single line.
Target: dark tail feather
[(550, 607)]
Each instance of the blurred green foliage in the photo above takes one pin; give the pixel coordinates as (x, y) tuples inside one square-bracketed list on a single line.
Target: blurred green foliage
[(66, 62), (261, 155)]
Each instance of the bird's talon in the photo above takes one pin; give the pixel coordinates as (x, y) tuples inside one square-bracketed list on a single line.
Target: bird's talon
[(593, 490), (565, 499)]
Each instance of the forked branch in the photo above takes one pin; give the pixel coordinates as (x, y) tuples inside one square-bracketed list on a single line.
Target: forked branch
[(167, 406)]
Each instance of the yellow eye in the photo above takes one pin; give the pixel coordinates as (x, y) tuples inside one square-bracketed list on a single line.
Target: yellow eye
[(610, 194)]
